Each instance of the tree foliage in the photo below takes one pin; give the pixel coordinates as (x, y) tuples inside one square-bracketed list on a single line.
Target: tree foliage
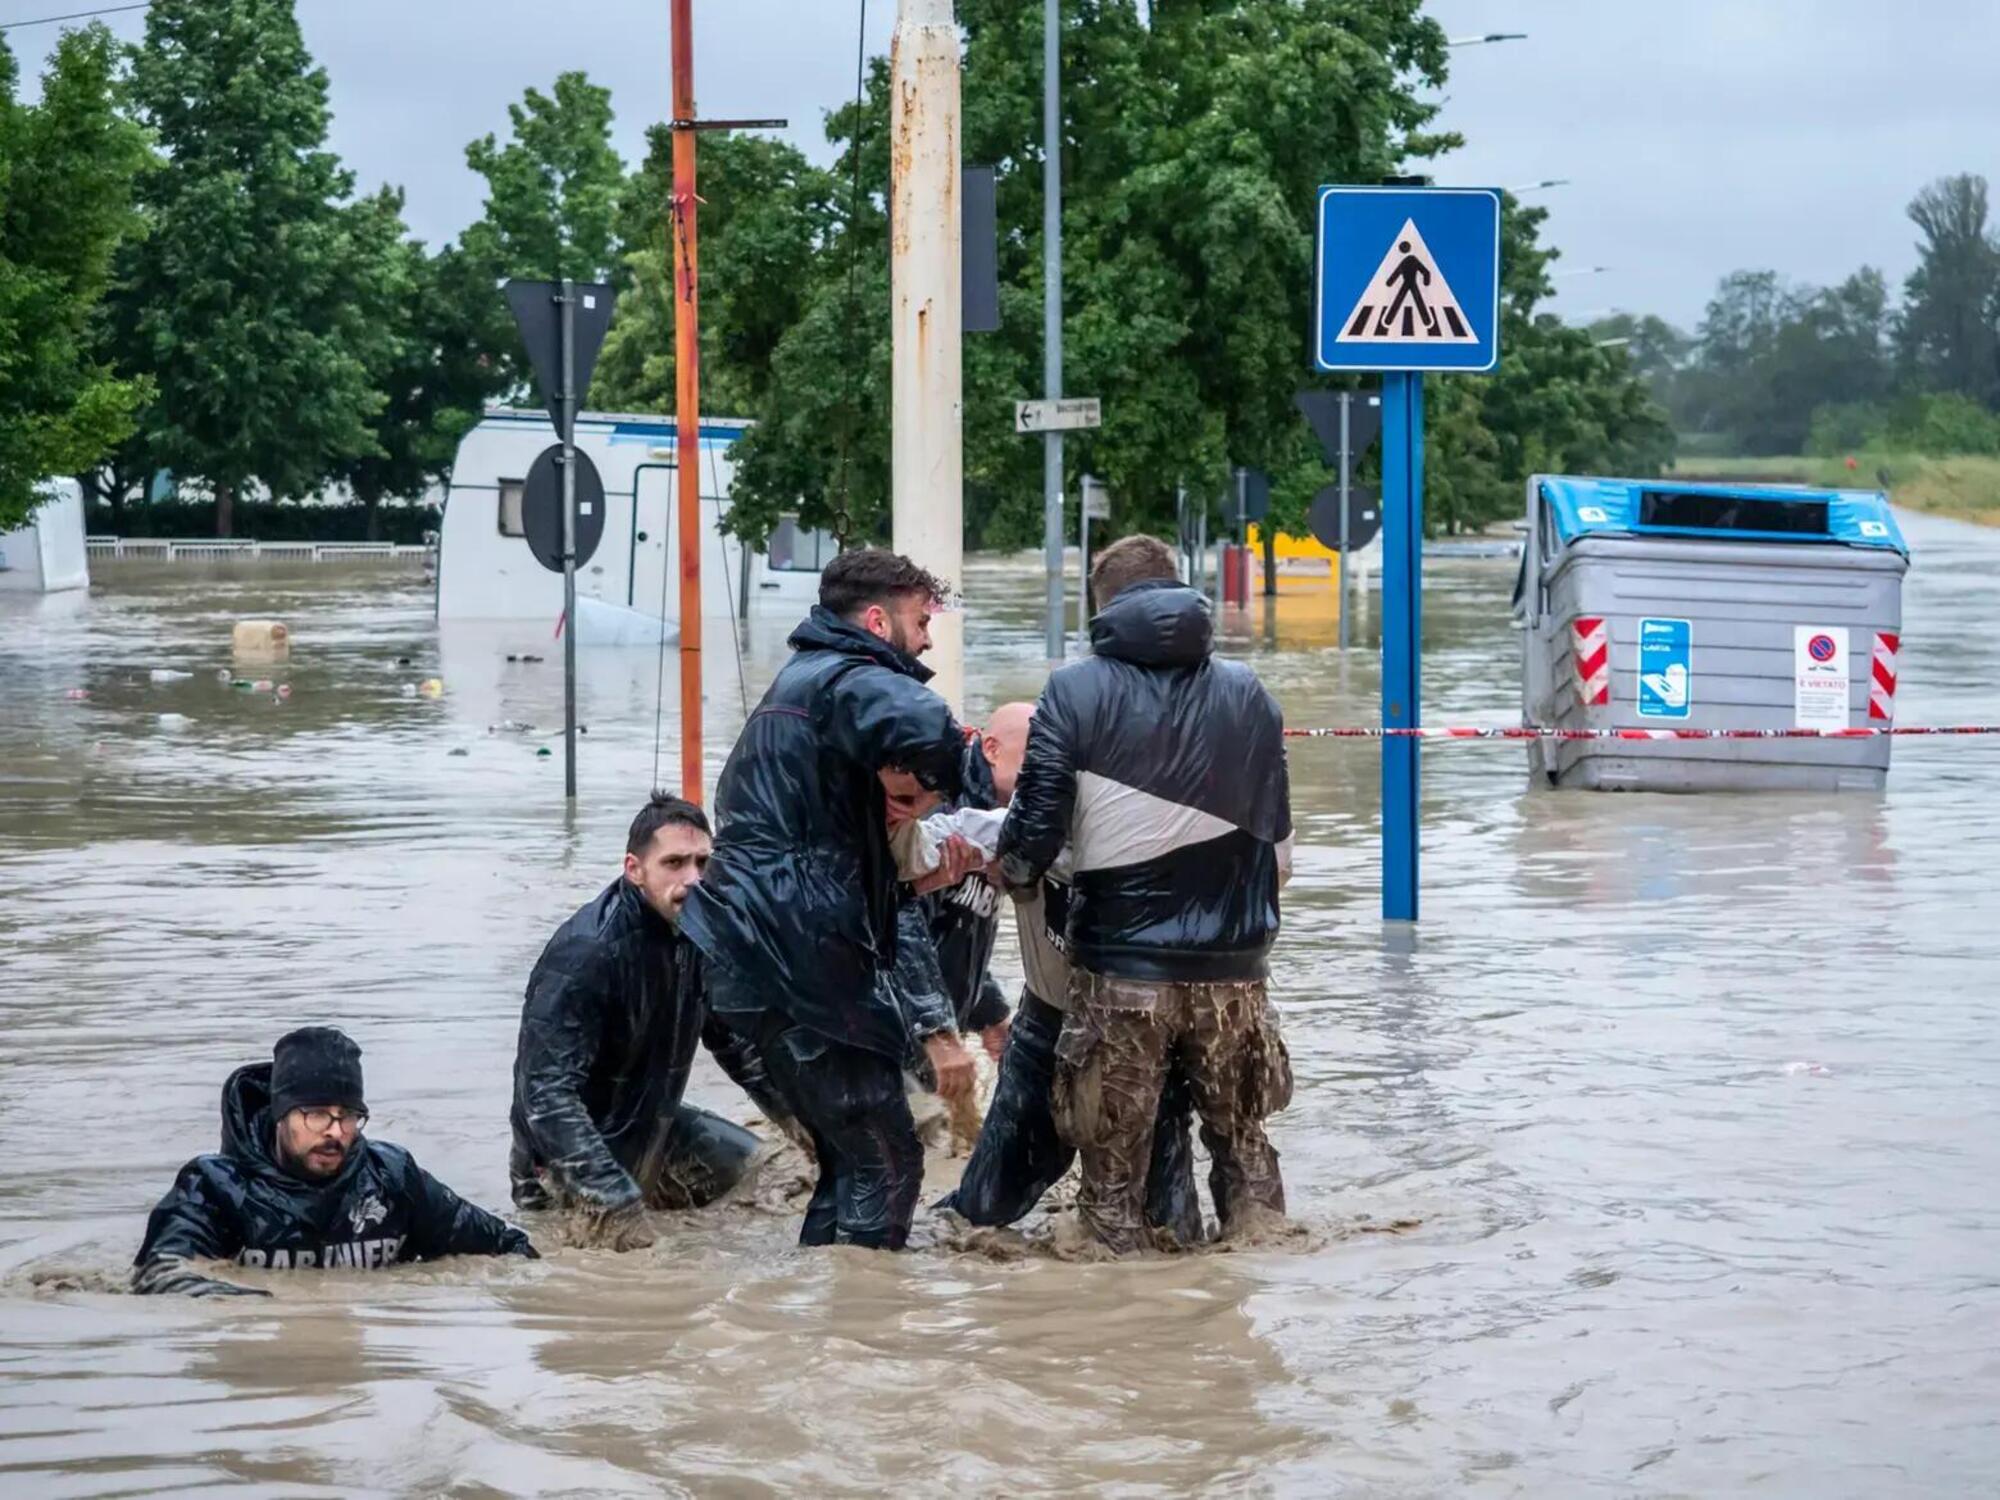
[(1777, 367), (260, 299), (67, 167), (1194, 136)]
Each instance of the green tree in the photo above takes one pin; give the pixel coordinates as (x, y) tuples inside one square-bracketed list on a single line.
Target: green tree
[(434, 375), (553, 192), (1193, 137), (67, 167), (1949, 333), (1771, 354), (765, 217), (259, 300)]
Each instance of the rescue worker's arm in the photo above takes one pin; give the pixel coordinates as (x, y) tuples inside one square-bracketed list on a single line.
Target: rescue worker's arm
[(741, 1060), (918, 982), (1285, 839), (919, 979), (1038, 818), (881, 718), (562, 1027), (442, 1223), (193, 1222)]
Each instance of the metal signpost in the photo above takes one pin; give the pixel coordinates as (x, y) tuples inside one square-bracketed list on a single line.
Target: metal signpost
[(1406, 279), (563, 324)]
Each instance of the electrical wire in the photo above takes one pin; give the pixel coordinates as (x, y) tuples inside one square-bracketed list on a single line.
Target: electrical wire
[(736, 627), (76, 15)]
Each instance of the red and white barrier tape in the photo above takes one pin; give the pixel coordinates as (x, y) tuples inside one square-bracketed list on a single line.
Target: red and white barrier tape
[(1873, 731)]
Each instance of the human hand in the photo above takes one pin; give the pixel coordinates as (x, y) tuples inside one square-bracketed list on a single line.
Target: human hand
[(958, 857), (995, 1037), (623, 1228), (951, 1065)]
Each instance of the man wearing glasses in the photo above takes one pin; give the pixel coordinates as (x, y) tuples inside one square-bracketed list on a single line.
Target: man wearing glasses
[(297, 1187)]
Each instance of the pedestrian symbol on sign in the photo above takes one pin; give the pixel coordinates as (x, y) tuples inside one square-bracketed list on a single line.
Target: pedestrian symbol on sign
[(1407, 300)]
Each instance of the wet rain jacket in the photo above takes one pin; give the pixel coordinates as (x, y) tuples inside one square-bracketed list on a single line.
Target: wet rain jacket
[(801, 902), (1163, 768), (613, 1014), (380, 1209)]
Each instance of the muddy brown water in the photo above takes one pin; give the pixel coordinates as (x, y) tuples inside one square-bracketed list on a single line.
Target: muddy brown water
[(1662, 1162)]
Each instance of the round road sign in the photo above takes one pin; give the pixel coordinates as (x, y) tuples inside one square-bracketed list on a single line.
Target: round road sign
[(541, 508)]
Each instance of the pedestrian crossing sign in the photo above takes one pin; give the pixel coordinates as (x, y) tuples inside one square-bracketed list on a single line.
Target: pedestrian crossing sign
[(1407, 279)]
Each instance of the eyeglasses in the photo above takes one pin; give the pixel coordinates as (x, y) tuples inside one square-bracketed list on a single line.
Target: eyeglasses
[(319, 1119)]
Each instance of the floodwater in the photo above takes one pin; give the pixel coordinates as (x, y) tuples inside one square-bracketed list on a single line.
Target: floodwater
[(1663, 1162)]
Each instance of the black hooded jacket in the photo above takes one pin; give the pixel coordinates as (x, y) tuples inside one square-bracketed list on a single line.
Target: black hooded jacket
[(380, 1209), (614, 1011), (800, 904), (1163, 769)]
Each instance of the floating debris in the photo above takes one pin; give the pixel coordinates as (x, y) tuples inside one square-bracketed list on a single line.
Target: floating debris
[(169, 674)]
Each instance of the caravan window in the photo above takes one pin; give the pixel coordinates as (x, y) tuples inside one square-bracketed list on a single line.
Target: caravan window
[(797, 549), (511, 491)]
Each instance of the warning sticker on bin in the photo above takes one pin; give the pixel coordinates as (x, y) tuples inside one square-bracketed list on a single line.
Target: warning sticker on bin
[(1820, 677), (1666, 669)]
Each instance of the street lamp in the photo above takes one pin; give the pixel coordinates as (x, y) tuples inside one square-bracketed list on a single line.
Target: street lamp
[(1536, 187), (1579, 271), (1491, 36)]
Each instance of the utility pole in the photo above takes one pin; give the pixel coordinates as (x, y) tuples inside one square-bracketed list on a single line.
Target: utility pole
[(687, 398), (926, 286), (1052, 295)]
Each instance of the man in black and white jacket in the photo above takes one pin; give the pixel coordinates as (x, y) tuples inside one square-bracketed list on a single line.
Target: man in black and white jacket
[(1163, 769)]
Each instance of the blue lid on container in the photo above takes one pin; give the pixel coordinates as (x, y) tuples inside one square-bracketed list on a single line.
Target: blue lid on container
[(1580, 506)]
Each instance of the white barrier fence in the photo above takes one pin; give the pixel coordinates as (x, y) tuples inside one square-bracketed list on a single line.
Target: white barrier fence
[(218, 549)]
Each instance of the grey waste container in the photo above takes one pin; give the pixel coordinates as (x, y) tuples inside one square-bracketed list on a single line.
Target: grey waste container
[(1651, 604)]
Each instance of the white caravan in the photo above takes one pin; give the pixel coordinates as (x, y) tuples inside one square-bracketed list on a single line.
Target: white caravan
[(486, 572), (47, 555)]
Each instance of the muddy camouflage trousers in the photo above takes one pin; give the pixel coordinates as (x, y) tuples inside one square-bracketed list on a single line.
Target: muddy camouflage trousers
[(1117, 1045)]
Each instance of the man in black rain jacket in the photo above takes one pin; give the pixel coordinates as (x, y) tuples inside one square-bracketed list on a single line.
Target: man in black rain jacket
[(1163, 770), (297, 1187), (613, 1014), (801, 910)]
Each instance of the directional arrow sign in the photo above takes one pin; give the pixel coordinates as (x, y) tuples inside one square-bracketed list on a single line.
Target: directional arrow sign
[(1064, 415)]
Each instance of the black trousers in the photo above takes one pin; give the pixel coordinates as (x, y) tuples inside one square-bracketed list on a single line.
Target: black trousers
[(700, 1157), (1020, 1155), (871, 1163)]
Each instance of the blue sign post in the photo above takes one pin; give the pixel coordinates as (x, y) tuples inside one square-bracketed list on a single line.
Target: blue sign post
[(1406, 280)]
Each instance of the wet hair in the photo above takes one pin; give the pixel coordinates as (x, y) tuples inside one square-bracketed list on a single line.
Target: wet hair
[(1130, 560), (873, 575), (661, 809)]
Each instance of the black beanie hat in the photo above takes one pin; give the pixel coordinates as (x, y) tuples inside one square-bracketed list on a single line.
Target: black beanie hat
[(313, 1067)]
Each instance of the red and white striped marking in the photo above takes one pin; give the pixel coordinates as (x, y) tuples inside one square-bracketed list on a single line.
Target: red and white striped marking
[(1882, 680), (1529, 732), (1590, 646)]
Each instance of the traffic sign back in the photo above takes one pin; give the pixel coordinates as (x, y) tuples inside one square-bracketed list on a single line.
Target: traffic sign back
[(1407, 279)]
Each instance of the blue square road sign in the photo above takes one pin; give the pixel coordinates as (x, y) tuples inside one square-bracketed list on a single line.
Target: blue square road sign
[(1407, 279)]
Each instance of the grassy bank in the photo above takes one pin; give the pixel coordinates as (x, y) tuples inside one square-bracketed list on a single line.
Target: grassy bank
[(1967, 489)]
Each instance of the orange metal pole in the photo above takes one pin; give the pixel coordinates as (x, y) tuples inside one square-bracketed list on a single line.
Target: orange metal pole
[(687, 394)]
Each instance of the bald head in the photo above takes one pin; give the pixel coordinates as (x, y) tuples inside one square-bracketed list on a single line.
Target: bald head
[(1005, 741)]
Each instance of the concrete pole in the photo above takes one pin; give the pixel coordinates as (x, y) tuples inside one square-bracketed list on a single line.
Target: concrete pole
[(927, 440), (1052, 296)]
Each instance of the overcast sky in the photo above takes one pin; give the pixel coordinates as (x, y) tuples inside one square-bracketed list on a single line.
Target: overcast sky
[(1698, 137)]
